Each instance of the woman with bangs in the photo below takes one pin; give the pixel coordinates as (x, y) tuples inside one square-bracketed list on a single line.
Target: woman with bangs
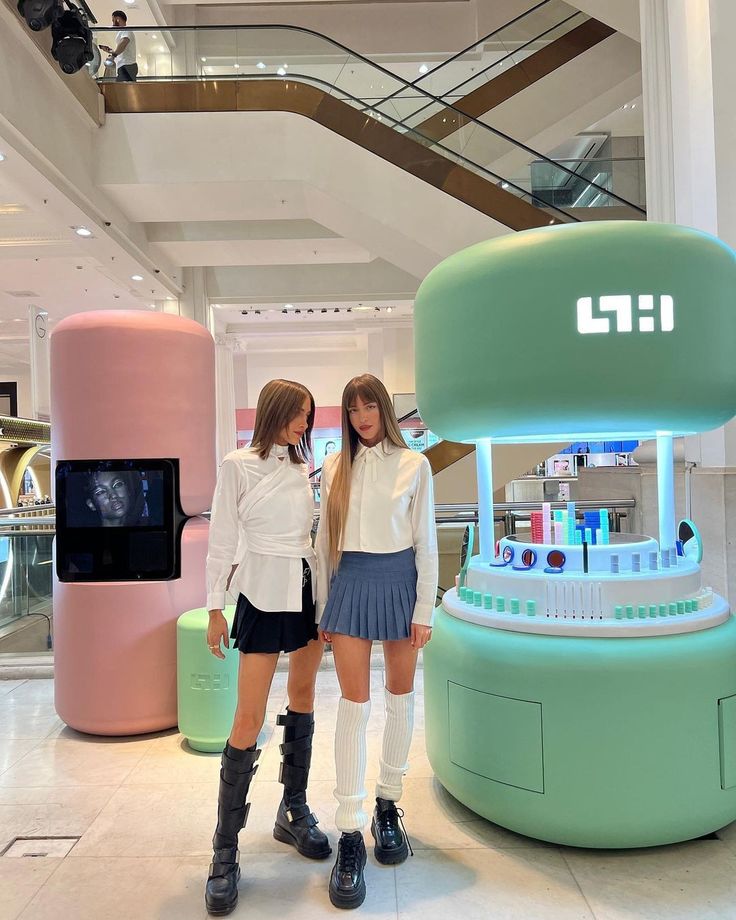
[(260, 545), (377, 542)]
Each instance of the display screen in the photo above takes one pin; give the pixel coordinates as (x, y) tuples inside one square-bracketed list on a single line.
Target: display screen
[(117, 520), (115, 498)]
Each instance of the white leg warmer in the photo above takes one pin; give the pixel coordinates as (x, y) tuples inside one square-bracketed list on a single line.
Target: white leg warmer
[(350, 761), (396, 743)]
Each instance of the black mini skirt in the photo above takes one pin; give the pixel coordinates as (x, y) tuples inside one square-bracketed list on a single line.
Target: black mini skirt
[(270, 632)]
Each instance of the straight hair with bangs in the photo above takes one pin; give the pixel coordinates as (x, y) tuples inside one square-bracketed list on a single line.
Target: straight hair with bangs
[(370, 390), (279, 402)]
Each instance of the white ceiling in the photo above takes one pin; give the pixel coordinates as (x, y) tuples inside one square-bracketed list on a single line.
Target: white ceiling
[(306, 220)]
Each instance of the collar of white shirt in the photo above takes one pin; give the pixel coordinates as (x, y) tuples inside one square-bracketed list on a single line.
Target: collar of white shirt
[(381, 450), (279, 450)]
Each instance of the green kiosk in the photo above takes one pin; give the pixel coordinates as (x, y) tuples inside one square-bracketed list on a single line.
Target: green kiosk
[(581, 684)]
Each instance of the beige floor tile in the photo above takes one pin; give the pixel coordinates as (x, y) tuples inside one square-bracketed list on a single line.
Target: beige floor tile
[(20, 880), (173, 889), (171, 760), (482, 884), (689, 881), (26, 719), (108, 889), (435, 820), (49, 811), (78, 761), (36, 691), (154, 820), (12, 750), (7, 685)]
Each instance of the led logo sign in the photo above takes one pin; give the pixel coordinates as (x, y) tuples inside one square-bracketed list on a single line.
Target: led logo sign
[(626, 314)]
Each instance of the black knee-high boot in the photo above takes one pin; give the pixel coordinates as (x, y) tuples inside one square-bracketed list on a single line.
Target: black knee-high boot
[(295, 823), (237, 770)]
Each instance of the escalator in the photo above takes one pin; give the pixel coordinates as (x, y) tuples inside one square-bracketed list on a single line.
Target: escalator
[(497, 67), (235, 70)]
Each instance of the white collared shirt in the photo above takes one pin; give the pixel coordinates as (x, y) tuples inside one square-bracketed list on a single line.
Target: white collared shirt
[(262, 515), (391, 509)]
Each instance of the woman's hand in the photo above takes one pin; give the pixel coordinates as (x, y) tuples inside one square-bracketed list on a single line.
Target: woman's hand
[(325, 636), (217, 632), (420, 635)]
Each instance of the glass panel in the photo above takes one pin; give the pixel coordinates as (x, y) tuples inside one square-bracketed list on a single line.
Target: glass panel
[(26, 621)]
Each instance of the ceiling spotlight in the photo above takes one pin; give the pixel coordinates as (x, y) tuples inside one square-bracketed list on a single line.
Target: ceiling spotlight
[(504, 185), (2, 157), (377, 309), (389, 309), (260, 65), (349, 310), (153, 37), (284, 310), (236, 66), (336, 310), (203, 60), (281, 72), (130, 2), (82, 231), (323, 310), (310, 310), (243, 312), (288, 306), (423, 68), (297, 310), (257, 312), (37, 13), (136, 277)]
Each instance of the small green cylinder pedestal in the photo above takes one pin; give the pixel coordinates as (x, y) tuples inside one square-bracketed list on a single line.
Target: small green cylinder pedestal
[(207, 687)]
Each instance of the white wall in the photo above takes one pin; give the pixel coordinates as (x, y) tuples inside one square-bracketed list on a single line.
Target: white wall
[(325, 362)]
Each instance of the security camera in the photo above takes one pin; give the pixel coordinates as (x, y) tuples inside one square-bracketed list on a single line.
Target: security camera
[(72, 44), (39, 14)]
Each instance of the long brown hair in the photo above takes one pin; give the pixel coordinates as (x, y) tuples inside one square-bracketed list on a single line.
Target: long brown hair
[(369, 389), (279, 402)]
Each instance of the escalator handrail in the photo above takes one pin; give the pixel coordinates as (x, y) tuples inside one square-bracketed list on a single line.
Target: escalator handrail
[(468, 118), (475, 76)]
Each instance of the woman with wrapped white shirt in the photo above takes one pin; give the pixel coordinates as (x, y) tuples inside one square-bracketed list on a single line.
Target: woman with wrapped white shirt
[(262, 519), (377, 539)]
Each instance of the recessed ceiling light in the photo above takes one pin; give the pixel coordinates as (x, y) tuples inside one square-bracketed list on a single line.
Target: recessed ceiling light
[(136, 277), (281, 72), (153, 37), (203, 60), (504, 185), (236, 66), (423, 68), (2, 157), (82, 231), (288, 306), (130, 2), (260, 65), (16, 320), (389, 309)]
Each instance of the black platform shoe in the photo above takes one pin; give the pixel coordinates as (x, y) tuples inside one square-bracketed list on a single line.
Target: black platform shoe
[(347, 883), (237, 771), (295, 823), (392, 844)]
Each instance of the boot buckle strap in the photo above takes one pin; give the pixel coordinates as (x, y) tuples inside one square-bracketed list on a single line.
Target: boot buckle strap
[(290, 718), (302, 813), (298, 744), (292, 776)]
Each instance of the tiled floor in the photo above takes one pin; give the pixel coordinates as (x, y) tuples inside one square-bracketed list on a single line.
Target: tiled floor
[(144, 810)]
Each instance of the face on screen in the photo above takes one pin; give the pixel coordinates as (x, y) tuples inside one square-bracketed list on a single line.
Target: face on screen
[(110, 495)]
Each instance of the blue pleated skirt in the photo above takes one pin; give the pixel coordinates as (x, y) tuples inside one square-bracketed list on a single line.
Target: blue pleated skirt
[(372, 596)]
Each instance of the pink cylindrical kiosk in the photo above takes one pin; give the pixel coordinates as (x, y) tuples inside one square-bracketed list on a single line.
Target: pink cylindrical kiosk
[(133, 443)]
